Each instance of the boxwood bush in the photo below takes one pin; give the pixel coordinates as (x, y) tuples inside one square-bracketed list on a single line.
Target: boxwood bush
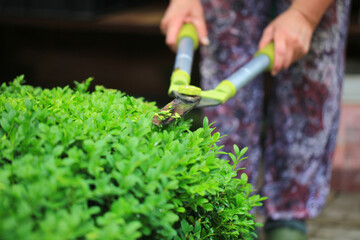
[(90, 165)]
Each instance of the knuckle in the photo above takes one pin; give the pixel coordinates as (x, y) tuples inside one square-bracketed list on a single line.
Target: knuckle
[(169, 42), (280, 51), (268, 29), (306, 49)]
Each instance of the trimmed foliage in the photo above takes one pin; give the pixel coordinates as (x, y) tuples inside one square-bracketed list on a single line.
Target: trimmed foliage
[(81, 165)]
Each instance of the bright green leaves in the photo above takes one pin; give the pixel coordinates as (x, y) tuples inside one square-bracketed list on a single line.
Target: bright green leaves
[(81, 165), (4, 123), (83, 86), (186, 227), (58, 150), (238, 157), (28, 104)]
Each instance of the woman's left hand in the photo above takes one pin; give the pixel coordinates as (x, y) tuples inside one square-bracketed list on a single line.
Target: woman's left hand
[(291, 32)]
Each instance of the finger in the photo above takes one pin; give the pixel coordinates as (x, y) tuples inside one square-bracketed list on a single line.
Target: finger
[(172, 33), (165, 21), (266, 37), (201, 29), (302, 50), (188, 19), (163, 25), (280, 51), (288, 58)]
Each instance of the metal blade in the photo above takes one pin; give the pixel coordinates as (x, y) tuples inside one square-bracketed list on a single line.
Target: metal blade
[(208, 102), (175, 109)]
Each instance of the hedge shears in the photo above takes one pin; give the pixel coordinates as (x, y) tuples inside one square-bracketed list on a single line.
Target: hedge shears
[(187, 96)]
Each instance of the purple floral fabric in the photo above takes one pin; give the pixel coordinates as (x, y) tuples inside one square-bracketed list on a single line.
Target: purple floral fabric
[(302, 115)]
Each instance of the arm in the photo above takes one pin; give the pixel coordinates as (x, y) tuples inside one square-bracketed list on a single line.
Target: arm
[(313, 10), (292, 31)]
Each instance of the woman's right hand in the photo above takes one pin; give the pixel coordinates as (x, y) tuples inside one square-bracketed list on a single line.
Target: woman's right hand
[(180, 12)]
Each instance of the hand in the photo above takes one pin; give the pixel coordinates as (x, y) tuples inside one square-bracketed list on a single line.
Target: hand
[(180, 12), (291, 32)]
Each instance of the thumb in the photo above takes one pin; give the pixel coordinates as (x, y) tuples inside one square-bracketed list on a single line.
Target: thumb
[(172, 33)]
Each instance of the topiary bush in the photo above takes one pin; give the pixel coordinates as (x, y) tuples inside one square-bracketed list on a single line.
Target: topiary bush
[(81, 165)]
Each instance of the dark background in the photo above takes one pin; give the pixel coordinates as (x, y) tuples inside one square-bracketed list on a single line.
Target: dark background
[(116, 42), (120, 46)]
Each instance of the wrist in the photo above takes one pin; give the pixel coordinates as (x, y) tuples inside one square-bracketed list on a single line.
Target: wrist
[(311, 21), (311, 10)]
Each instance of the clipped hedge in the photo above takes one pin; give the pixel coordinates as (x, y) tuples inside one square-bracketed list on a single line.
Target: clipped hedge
[(81, 165)]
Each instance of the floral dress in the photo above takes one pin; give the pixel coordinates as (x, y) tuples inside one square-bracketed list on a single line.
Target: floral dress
[(296, 135)]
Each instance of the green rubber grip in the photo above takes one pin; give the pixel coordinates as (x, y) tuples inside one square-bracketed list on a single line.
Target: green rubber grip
[(178, 78), (189, 90), (268, 50), (223, 92), (189, 30)]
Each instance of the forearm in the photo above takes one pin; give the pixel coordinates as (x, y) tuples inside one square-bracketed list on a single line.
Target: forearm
[(313, 10)]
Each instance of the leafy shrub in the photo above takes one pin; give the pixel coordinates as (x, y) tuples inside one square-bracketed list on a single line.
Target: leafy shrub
[(80, 165)]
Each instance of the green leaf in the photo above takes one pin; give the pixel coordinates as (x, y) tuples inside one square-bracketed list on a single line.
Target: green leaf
[(206, 122), (236, 150), (28, 104), (186, 227), (197, 229), (58, 150), (233, 158), (5, 124), (202, 201), (208, 207), (243, 151), (181, 210), (244, 178)]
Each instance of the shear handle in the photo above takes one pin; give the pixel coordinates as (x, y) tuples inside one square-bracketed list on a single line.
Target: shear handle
[(187, 43), (263, 60)]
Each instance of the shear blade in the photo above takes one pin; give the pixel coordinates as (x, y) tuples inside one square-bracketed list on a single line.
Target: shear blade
[(177, 108), (208, 102)]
